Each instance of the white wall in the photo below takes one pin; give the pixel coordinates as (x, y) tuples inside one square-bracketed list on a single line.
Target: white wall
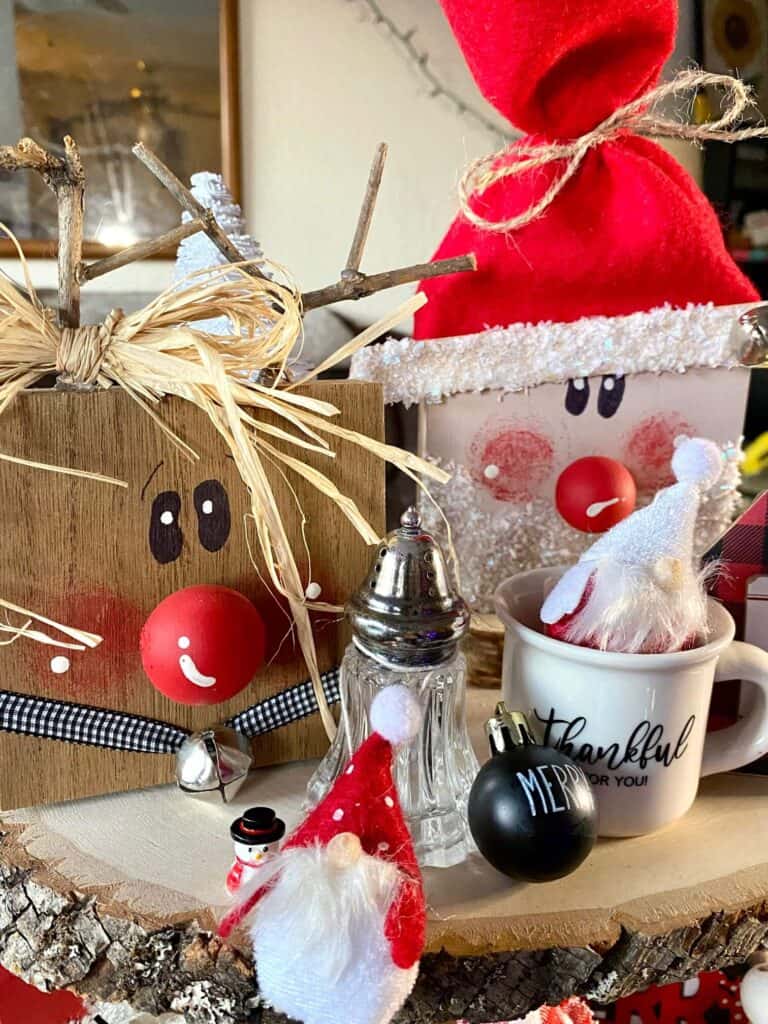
[(322, 85), (10, 108), (688, 155)]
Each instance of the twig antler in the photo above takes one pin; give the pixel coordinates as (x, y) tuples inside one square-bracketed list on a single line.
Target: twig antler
[(353, 284), (352, 269), (202, 220), (64, 175)]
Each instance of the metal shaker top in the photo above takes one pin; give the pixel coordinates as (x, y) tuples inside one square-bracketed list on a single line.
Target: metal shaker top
[(407, 613)]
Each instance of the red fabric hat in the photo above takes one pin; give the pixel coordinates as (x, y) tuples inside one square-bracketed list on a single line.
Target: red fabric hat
[(630, 231), (364, 801)]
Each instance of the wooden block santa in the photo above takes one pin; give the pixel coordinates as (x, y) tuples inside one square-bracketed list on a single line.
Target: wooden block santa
[(599, 322), (340, 916)]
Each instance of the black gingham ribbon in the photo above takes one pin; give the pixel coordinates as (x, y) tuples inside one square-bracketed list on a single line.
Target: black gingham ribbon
[(50, 719)]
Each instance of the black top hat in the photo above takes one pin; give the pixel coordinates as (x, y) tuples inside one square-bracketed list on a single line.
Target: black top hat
[(257, 825)]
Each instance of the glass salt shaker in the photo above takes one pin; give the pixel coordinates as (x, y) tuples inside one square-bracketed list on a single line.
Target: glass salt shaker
[(407, 621)]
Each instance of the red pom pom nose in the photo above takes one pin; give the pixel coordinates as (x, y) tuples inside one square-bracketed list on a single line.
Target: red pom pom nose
[(595, 493), (203, 644)]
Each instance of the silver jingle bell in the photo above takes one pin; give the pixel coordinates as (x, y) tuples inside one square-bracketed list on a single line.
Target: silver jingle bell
[(213, 764), (752, 335)]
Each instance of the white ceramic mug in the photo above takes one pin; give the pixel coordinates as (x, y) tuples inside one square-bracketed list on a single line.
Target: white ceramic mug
[(636, 723)]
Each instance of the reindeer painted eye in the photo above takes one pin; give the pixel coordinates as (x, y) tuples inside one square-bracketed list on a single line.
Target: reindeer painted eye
[(213, 516), (165, 535), (611, 394), (577, 396)]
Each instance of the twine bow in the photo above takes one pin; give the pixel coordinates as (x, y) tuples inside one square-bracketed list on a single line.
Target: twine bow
[(641, 116), (82, 350), (150, 355)]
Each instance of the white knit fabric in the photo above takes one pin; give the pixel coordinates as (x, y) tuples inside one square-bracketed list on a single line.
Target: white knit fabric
[(631, 603)]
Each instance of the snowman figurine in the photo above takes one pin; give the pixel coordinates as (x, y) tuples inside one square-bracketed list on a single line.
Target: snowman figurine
[(256, 835)]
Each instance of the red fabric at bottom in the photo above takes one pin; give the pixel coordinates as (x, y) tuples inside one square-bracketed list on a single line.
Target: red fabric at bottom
[(23, 1004), (712, 998)]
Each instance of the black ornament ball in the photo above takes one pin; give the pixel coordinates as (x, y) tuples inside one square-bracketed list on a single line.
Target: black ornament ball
[(531, 809)]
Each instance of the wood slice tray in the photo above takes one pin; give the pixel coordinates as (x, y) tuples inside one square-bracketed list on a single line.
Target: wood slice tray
[(117, 898)]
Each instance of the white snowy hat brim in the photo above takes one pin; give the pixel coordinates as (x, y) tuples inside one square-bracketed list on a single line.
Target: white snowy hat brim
[(662, 340)]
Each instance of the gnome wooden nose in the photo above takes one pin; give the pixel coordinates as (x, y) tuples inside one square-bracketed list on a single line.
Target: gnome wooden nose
[(203, 644), (668, 573), (595, 493), (344, 850)]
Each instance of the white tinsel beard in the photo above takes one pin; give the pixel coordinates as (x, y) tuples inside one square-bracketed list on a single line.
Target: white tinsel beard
[(627, 610), (328, 914)]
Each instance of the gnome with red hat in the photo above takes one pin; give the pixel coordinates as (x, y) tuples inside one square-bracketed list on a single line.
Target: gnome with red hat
[(339, 914), (598, 325)]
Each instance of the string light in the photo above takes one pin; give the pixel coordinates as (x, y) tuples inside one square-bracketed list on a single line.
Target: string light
[(420, 60)]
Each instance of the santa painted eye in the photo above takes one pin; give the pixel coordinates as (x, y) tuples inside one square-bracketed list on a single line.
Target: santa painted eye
[(577, 396), (165, 536), (611, 394), (213, 515)]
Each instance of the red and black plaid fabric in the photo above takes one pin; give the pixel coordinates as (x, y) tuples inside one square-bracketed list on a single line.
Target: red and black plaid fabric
[(743, 553)]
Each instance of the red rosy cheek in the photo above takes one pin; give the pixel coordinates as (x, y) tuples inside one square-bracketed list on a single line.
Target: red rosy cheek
[(511, 461), (649, 450), (115, 619)]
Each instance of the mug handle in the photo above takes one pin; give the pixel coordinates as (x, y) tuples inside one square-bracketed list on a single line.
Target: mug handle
[(747, 740)]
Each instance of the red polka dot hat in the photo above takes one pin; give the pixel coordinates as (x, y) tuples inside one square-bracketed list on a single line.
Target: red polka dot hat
[(364, 801)]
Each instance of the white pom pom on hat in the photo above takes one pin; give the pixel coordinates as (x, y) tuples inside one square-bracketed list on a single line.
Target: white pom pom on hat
[(697, 461), (396, 714)]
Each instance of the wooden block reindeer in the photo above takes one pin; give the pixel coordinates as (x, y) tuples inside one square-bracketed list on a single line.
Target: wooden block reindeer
[(164, 459)]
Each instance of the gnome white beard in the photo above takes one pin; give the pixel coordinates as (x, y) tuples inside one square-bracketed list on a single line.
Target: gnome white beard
[(629, 609), (319, 944)]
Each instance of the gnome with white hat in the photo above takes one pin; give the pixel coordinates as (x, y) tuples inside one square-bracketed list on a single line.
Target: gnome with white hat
[(637, 589), (339, 913)]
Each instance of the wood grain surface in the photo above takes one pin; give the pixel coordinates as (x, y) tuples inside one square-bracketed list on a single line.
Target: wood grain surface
[(139, 878), (77, 552)]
